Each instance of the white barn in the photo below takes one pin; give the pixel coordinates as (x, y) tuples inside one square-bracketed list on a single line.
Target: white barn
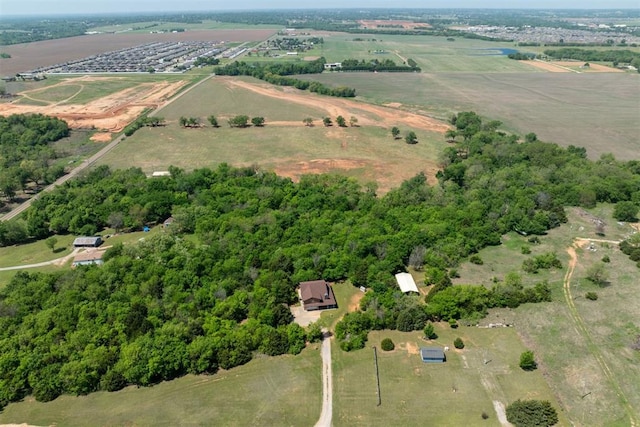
[(406, 283)]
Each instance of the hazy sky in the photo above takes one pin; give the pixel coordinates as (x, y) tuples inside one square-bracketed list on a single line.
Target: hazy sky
[(45, 7)]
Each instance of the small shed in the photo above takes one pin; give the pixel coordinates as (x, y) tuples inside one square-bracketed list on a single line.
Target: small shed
[(432, 355), (88, 258), (87, 242), (406, 283)]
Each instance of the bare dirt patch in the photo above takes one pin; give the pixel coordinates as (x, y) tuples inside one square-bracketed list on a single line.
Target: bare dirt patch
[(412, 348), (354, 302), (110, 113), (101, 137), (547, 66)]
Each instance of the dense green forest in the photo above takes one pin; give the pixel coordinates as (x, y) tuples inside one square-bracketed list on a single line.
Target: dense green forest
[(25, 154), (278, 73), (171, 305)]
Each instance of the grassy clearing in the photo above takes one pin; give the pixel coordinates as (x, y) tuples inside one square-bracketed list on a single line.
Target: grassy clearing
[(367, 153), (433, 54), (450, 394), (6, 276), (266, 391), (567, 355), (572, 112), (35, 252)]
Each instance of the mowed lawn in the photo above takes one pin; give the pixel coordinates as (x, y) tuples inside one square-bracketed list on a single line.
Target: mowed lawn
[(598, 111), (284, 144), (574, 363), (270, 391), (451, 394)]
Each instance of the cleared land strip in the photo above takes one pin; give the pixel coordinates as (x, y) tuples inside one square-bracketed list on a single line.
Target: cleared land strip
[(582, 329)]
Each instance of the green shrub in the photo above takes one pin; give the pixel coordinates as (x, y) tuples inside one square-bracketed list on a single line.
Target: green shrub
[(453, 323), (529, 413), (429, 332), (475, 259), (606, 258), (458, 343), (387, 344), (592, 296), (525, 250), (527, 361)]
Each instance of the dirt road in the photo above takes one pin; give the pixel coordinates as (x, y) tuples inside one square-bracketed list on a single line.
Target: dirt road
[(327, 384), (582, 329)]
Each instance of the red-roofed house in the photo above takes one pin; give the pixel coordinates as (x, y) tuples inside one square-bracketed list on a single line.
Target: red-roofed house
[(317, 295)]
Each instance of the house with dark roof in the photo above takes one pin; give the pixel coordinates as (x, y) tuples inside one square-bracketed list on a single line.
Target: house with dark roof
[(317, 295), (432, 355), (87, 242)]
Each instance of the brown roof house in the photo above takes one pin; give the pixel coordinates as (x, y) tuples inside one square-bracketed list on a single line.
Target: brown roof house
[(317, 295)]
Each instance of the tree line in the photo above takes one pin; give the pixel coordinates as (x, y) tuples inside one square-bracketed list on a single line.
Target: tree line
[(376, 65), (615, 56), (278, 73)]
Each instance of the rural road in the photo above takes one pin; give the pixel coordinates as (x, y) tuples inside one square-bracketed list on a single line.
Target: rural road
[(327, 383), (90, 161)]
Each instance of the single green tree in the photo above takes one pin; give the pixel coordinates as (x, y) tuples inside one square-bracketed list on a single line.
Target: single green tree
[(51, 243), (213, 121), (395, 132), (341, 121), (353, 121), (598, 274), (458, 343), (387, 344), (430, 332), (308, 121), (257, 121), (527, 361), (327, 121), (411, 138)]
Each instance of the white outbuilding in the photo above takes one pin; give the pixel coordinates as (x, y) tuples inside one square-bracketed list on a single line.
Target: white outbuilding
[(406, 283)]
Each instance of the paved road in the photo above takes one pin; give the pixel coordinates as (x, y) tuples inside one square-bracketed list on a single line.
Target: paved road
[(327, 384), (90, 161)]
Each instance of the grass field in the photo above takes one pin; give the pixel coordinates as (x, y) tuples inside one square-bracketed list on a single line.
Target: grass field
[(285, 145), (451, 394), (593, 371), (597, 111), (273, 391)]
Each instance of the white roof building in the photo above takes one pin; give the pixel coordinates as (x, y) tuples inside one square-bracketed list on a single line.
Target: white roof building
[(406, 283)]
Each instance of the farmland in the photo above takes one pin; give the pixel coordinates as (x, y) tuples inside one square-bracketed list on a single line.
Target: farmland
[(595, 110)]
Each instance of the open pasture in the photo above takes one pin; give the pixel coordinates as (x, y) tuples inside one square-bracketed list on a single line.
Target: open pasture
[(433, 54), (480, 378), (367, 151), (275, 391), (583, 347), (598, 111)]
